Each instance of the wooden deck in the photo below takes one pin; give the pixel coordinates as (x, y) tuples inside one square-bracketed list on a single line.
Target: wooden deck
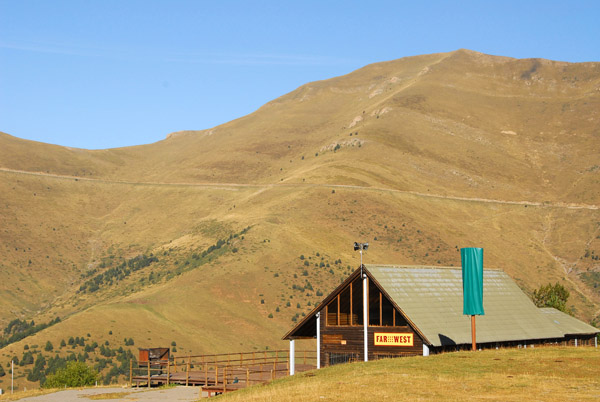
[(219, 373)]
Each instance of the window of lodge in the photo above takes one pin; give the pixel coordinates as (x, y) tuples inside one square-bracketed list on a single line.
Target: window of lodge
[(357, 302), (374, 303), (387, 312), (345, 306), (346, 309), (332, 310)]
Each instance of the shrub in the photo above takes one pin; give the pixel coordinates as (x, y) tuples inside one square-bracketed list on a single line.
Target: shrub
[(27, 359), (76, 374), (549, 295)]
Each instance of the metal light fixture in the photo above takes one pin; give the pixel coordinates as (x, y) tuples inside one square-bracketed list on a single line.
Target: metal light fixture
[(360, 247)]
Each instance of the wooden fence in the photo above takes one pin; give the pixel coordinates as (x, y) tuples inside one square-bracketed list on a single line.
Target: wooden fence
[(227, 371)]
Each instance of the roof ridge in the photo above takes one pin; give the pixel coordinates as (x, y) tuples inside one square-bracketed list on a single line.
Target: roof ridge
[(424, 267)]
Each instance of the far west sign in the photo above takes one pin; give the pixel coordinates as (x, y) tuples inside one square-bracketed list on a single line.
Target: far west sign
[(393, 339)]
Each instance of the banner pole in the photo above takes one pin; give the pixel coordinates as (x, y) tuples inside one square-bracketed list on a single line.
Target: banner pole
[(473, 332)]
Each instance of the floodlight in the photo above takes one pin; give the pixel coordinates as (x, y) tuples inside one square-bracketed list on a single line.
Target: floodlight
[(356, 246)]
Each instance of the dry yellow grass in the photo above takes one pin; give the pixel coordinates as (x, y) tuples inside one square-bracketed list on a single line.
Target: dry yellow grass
[(448, 150), (544, 374)]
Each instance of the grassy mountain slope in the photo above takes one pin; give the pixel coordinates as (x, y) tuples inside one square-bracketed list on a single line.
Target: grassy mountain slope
[(419, 156)]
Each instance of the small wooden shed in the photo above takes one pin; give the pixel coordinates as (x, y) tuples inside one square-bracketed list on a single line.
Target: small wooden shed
[(390, 311), (155, 357)]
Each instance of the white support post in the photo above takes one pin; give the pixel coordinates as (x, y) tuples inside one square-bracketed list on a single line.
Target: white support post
[(292, 357), (365, 316), (575, 342), (318, 340), (425, 350), (596, 342)]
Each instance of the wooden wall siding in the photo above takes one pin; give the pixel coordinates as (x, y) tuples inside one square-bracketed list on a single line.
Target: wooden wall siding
[(349, 339), (416, 349), (339, 337)]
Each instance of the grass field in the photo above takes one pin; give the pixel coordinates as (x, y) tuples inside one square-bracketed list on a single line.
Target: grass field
[(543, 374)]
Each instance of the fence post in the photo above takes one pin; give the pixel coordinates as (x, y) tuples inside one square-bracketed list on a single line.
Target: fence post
[(169, 371), (206, 374), (130, 373), (216, 375), (187, 372), (247, 377), (148, 373)]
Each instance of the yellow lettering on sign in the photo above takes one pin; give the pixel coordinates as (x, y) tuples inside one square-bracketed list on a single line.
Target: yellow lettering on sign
[(393, 339)]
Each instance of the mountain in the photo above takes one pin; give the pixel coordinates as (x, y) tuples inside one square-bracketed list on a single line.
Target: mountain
[(199, 238)]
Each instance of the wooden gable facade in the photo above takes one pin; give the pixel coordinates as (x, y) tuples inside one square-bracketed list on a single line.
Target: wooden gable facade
[(341, 322)]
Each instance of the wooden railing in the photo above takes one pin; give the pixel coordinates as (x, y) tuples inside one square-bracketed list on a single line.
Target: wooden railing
[(236, 370)]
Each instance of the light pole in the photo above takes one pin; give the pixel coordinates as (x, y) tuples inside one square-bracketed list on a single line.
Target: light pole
[(360, 247)]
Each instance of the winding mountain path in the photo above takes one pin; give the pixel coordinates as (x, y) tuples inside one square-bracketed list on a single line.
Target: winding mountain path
[(234, 186)]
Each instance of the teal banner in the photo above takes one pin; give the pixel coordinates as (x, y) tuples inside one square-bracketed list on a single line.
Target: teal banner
[(472, 276)]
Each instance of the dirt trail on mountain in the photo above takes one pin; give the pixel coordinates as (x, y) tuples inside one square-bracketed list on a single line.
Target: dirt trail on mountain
[(234, 186)]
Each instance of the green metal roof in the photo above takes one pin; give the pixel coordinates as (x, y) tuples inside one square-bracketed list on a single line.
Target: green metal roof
[(567, 324), (432, 299)]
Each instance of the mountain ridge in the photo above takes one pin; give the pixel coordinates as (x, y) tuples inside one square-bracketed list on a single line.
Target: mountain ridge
[(419, 156)]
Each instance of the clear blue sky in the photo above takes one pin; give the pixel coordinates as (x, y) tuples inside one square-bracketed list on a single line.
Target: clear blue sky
[(110, 73)]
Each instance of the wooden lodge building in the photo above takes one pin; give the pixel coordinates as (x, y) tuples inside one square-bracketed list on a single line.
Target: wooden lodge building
[(414, 310)]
